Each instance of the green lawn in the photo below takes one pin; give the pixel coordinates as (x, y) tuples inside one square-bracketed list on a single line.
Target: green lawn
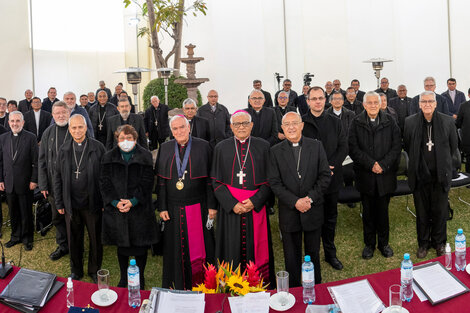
[(348, 241)]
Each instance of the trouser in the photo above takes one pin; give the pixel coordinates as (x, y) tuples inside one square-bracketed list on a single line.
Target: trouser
[(292, 243), (330, 214), (21, 214), (431, 203), (140, 260), (58, 220), (76, 223), (375, 220)]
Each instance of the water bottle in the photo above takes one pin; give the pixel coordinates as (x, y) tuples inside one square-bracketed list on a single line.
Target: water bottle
[(308, 281), (406, 278), (448, 257), (133, 284), (70, 298), (460, 251)]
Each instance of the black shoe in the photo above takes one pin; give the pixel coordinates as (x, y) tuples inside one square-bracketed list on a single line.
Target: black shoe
[(94, 278), (271, 211), (335, 263), (75, 276), (28, 246), (12, 243), (386, 251), (57, 254), (440, 250), (422, 252), (351, 205), (368, 252)]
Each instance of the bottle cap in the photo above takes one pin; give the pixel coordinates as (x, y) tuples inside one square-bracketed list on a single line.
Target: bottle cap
[(132, 263), (307, 258), (406, 256), (69, 282), (448, 249), (460, 231)]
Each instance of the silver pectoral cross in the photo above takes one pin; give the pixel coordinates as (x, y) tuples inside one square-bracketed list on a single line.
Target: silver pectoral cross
[(100, 126), (156, 123), (240, 176), (77, 172), (430, 144)]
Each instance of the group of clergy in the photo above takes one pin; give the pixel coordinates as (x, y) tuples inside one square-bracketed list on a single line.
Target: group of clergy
[(229, 168)]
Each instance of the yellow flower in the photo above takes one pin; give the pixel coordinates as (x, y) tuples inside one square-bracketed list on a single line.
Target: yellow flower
[(257, 289), (238, 285), (202, 288)]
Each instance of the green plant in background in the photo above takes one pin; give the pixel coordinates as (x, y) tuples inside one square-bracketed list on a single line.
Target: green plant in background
[(176, 93)]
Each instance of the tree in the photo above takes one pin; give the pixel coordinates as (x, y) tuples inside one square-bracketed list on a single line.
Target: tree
[(166, 17)]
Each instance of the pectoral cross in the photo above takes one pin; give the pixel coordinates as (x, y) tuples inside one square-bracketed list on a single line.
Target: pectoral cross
[(156, 123), (240, 176), (100, 126), (430, 144), (77, 172)]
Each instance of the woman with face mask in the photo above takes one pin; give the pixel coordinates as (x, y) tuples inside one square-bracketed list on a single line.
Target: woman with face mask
[(126, 183)]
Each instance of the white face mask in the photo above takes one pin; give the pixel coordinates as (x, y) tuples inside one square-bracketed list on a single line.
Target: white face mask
[(126, 145)]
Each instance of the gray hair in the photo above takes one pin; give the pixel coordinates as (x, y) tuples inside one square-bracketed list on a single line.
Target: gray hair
[(371, 94), (16, 113), (154, 97), (71, 93), (427, 93), (336, 93), (189, 101), (257, 90), (429, 78), (283, 92), (102, 90), (291, 112), (177, 117), (75, 116), (238, 113), (60, 104), (400, 86)]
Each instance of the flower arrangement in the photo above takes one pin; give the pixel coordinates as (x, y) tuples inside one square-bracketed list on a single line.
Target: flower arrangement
[(226, 280)]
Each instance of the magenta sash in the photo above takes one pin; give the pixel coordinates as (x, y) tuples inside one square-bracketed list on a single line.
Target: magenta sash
[(260, 231), (197, 250)]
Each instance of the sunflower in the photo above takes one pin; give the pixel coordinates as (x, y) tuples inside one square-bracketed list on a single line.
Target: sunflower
[(202, 288), (238, 285)]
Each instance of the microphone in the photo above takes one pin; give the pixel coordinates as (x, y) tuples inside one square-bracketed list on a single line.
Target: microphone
[(6, 268)]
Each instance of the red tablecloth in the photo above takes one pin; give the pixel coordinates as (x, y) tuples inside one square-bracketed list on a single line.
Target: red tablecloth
[(380, 282)]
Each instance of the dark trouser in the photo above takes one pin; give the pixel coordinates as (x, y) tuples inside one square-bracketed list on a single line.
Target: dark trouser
[(21, 214), (75, 232), (140, 260), (431, 214), (330, 213), (292, 243), (58, 220), (375, 219)]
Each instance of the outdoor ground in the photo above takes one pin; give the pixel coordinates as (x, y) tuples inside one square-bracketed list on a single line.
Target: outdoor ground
[(348, 240)]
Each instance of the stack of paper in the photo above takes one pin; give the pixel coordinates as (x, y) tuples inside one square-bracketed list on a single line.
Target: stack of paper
[(30, 290), (250, 303), (356, 297), (171, 301)]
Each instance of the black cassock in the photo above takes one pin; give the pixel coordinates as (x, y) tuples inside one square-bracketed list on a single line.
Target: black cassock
[(188, 244), (246, 237)]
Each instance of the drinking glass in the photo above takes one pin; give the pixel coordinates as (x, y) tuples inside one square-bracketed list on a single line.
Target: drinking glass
[(395, 298), (282, 279), (103, 284)]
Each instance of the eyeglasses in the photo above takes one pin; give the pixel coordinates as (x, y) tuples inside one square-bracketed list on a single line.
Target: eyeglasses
[(315, 98), (429, 86), (189, 109), (283, 98), (238, 124), (212, 96), (427, 101), (257, 98), (289, 124), (337, 99)]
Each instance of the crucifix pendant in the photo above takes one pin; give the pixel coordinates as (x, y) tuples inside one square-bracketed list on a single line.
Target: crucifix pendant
[(300, 176), (240, 176), (430, 144), (77, 172), (100, 126), (156, 123)]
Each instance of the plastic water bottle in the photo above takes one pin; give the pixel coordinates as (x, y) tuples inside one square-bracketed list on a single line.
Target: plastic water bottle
[(133, 284), (448, 257), (406, 278), (308, 281), (460, 250), (70, 297)]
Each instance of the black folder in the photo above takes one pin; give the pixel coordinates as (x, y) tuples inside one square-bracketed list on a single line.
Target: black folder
[(29, 288)]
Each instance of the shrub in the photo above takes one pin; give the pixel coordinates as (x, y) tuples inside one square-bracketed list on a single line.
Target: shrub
[(176, 93)]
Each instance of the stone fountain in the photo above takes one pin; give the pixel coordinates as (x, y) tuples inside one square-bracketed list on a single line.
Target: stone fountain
[(191, 82)]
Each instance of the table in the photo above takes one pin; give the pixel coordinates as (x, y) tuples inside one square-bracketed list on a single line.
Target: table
[(379, 281)]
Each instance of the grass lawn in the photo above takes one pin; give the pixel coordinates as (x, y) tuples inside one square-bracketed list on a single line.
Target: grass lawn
[(348, 241)]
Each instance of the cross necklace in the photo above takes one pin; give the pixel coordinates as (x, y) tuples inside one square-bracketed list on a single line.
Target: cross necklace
[(430, 144), (155, 116), (298, 162), (77, 172), (240, 174), (101, 120)]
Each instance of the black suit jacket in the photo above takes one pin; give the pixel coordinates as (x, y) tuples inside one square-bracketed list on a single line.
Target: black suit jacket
[(390, 93), (360, 95), (268, 101), (24, 105), (134, 120), (301, 104), (402, 108), (279, 116), (30, 122), (157, 133), (267, 129), (292, 97), (286, 185), (17, 173), (441, 106)]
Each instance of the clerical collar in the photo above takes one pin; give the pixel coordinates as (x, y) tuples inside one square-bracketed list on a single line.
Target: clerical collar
[(337, 112), (80, 143), (257, 112), (184, 144), (242, 141), (15, 134), (296, 144)]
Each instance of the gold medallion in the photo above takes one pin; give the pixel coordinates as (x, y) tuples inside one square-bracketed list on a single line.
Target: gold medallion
[(179, 185)]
